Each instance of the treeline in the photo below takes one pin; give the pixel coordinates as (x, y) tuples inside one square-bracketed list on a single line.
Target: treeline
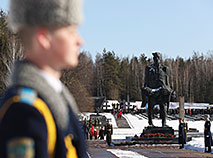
[(122, 78), (114, 77), (118, 78)]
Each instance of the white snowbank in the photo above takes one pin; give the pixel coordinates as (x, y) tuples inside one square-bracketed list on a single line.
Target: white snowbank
[(195, 144), (125, 153)]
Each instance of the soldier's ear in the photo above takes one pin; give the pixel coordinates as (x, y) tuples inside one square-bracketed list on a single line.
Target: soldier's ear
[(43, 38)]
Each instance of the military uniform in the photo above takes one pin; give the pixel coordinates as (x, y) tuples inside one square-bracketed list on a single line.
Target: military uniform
[(182, 135), (38, 115), (35, 121), (109, 132), (207, 136), (186, 130)]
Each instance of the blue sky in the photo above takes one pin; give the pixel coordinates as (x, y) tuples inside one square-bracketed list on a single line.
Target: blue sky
[(172, 27)]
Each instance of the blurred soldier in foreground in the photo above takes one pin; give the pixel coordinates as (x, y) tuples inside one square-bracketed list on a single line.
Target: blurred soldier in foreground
[(38, 114), (156, 88), (207, 134), (182, 134)]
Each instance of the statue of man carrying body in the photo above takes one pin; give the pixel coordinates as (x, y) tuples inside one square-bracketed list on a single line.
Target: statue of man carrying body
[(156, 88)]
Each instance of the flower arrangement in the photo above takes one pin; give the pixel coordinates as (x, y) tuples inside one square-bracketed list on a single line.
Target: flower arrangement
[(158, 135), (162, 135), (151, 135), (170, 135)]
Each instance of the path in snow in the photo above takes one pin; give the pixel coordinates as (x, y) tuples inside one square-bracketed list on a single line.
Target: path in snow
[(122, 123)]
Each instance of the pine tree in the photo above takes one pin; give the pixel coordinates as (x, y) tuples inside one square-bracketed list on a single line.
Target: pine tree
[(135, 88), (111, 75), (124, 76)]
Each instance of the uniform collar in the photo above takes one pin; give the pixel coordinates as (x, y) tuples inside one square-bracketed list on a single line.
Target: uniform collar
[(26, 74), (53, 82)]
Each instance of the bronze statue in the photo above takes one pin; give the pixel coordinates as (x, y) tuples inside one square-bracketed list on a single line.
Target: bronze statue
[(156, 88)]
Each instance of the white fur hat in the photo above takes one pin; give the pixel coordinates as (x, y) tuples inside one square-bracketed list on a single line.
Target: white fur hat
[(47, 13)]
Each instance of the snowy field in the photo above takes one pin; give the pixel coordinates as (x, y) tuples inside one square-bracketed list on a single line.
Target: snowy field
[(137, 124)]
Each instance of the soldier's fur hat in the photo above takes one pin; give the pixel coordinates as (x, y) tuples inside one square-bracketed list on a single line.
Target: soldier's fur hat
[(47, 13)]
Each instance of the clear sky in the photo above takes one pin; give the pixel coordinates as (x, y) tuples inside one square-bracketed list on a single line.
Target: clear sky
[(131, 27)]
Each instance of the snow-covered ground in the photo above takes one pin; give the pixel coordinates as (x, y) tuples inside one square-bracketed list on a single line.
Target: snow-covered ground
[(196, 144), (137, 124), (125, 153)]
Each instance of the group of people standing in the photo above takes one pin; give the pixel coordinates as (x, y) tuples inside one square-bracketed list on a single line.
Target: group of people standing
[(207, 133), (98, 131), (94, 133)]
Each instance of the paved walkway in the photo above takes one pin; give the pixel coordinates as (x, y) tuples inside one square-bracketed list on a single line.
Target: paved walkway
[(122, 123), (99, 149)]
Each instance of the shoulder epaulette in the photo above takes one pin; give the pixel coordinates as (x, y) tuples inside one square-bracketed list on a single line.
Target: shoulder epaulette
[(27, 95)]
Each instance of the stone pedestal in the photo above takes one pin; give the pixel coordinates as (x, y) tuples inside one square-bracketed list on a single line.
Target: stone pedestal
[(161, 130), (157, 135)]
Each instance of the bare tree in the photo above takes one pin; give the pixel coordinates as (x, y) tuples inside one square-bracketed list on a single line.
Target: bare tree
[(80, 82), (10, 50)]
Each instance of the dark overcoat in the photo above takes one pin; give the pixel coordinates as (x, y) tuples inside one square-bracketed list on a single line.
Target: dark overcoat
[(109, 131), (182, 135), (207, 133)]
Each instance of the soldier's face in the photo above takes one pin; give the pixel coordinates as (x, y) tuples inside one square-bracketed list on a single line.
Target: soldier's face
[(66, 43)]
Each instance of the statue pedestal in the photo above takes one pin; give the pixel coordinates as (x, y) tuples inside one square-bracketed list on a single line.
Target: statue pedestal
[(162, 130), (157, 135), (152, 135)]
